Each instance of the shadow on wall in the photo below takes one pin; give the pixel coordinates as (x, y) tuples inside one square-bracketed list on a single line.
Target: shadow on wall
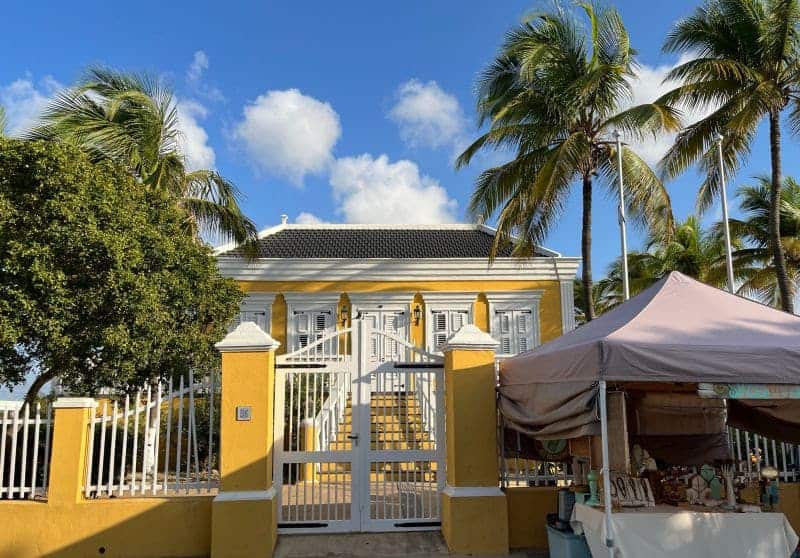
[(130, 527)]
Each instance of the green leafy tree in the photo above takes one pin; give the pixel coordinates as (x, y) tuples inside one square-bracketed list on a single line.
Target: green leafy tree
[(100, 284), (133, 120), (753, 257), (692, 250), (554, 95), (746, 69)]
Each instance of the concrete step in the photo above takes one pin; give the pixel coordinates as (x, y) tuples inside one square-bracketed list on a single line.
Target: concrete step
[(387, 467), (423, 445), (389, 476)]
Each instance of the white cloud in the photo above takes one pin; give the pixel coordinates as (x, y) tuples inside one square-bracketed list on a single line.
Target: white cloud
[(373, 190), (647, 87), (427, 116), (194, 139), (306, 218), (24, 101), (197, 67), (194, 78), (289, 134)]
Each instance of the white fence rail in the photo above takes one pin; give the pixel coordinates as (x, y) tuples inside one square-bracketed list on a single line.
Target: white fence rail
[(25, 437), (163, 440), (752, 452)]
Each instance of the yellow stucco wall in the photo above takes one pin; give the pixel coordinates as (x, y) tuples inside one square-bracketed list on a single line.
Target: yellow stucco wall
[(470, 410), (141, 527), (549, 305), (247, 380), (527, 512)]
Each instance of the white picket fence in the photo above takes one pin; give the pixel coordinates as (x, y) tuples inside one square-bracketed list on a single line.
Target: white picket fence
[(25, 438), (149, 444)]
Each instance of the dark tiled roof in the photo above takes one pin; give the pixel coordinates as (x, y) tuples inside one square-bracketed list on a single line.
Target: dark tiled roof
[(298, 242)]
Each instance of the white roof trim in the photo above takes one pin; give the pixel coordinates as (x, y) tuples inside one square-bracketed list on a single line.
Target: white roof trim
[(383, 269), (353, 227)]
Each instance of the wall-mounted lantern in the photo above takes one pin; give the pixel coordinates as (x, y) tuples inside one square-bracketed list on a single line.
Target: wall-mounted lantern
[(417, 314), (344, 314)]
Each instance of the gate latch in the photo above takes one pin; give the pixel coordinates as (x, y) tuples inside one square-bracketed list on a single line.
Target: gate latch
[(353, 437)]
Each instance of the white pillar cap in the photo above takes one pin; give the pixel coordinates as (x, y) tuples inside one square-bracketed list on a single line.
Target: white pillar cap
[(247, 338), (74, 403), (470, 338)]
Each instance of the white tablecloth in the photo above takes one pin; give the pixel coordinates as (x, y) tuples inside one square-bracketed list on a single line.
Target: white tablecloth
[(664, 532)]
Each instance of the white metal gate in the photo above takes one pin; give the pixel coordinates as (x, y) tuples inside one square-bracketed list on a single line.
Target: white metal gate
[(359, 440)]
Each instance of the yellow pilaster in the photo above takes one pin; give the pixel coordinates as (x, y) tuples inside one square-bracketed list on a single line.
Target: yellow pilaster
[(244, 514), (70, 446), (474, 509), (307, 434)]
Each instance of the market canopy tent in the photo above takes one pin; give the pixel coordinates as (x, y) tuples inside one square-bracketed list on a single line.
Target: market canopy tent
[(677, 331)]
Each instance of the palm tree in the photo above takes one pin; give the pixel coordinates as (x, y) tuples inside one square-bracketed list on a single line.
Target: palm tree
[(553, 95), (752, 259), (133, 120), (691, 250), (747, 69)]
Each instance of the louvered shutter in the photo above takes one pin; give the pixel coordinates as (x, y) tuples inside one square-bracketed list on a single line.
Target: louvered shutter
[(524, 332), (504, 333), (302, 322), (440, 329)]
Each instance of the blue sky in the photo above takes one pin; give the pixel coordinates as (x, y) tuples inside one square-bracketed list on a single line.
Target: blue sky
[(339, 111)]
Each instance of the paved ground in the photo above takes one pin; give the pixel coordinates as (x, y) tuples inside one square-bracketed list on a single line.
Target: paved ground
[(420, 544)]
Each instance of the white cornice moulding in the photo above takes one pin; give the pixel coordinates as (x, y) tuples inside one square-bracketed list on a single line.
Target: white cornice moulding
[(243, 495), (74, 403), (314, 299), (472, 491), (247, 337), (397, 298), (470, 338), (422, 269), (448, 300), (257, 297), (515, 299)]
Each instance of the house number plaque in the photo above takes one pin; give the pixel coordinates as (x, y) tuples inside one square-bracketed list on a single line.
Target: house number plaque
[(243, 412)]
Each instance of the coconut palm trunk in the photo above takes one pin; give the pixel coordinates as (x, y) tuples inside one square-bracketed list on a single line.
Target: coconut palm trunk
[(586, 248), (778, 256)]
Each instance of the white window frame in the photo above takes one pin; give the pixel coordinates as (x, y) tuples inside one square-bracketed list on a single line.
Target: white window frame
[(307, 302), (390, 302), (258, 302), (515, 301), (443, 302)]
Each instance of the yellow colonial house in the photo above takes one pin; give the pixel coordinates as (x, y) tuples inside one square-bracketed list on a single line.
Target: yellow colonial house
[(419, 282)]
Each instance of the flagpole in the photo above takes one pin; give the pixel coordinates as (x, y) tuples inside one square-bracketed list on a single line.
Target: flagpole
[(626, 292), (728, 254)]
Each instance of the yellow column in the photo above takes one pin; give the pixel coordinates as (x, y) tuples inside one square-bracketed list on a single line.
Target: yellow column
[(68, 461), (474, 511), (244, 514)]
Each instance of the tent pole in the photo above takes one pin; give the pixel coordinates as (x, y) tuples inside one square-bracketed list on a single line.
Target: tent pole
[(606, 469)]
